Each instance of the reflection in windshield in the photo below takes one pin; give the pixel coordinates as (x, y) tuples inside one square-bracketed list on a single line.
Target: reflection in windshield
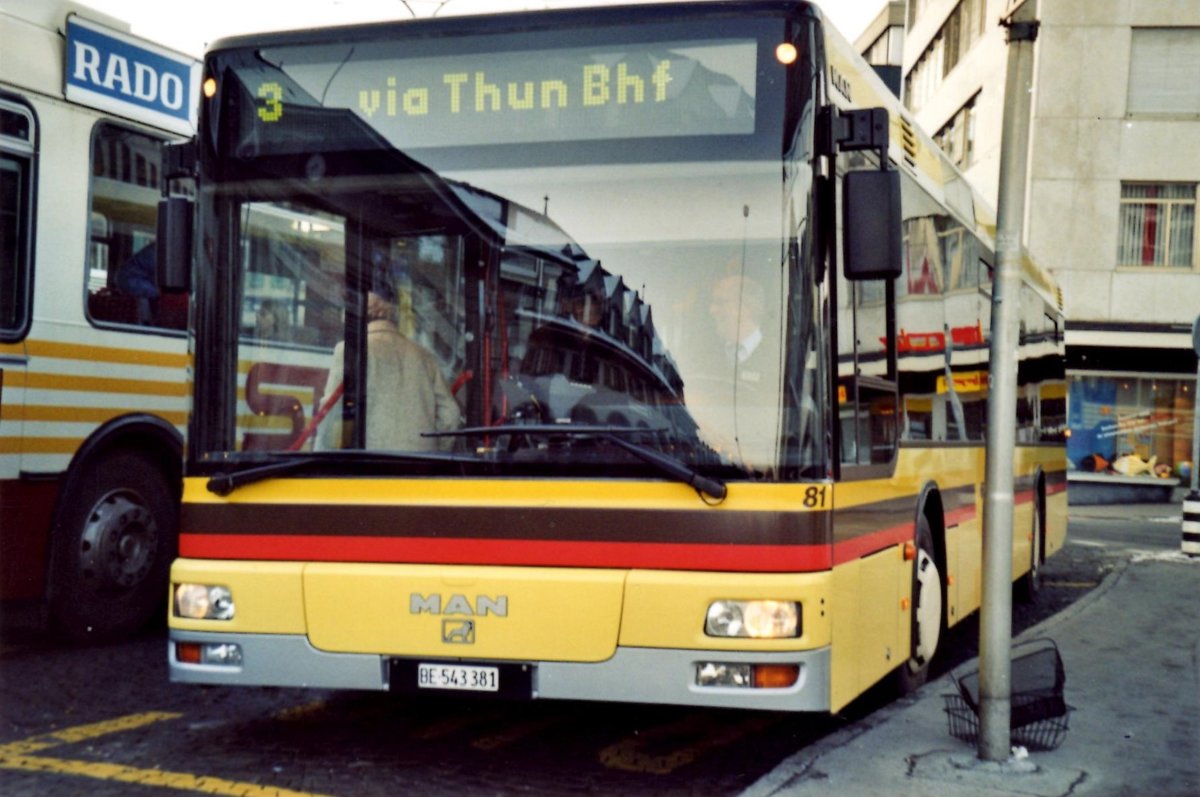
[(640, 295)]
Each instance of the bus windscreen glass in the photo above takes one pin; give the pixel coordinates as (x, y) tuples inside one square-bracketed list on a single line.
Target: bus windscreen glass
[(587, 229)]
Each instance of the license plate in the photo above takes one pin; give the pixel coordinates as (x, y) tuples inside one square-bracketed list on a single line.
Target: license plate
[(463, 677)]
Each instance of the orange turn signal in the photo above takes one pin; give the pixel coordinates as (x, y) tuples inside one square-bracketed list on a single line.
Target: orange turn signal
[(775, 676)]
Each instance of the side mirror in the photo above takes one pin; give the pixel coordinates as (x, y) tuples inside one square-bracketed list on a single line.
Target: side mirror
[(871, 225), (174, 244)]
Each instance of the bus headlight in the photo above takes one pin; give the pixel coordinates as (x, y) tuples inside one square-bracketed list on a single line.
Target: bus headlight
[(762, 619), (203, 602)]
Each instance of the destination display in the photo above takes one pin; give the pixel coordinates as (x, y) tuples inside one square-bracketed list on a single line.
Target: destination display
[(670, 89)]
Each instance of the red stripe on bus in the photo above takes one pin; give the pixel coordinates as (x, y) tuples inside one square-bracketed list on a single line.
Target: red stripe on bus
[(858, 547), (537, 553), (557, 553), (958, 516)]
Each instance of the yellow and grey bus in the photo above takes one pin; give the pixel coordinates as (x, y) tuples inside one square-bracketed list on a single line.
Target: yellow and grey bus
[(714, 316), (93, 359)]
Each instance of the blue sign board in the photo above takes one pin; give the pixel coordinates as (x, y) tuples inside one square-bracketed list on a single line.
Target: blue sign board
[(125, 75)]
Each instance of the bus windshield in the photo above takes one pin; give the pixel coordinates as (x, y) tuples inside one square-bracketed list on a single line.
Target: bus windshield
[(474, 246)]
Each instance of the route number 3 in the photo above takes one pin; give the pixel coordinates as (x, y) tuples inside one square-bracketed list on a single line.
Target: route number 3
[(272, 94)]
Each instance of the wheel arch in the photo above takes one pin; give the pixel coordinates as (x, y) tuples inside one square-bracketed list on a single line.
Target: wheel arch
[(1039, 506), (930, 505), (142, 432)]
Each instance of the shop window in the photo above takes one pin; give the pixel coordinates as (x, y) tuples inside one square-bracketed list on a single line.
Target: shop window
[(1158, 225), (1131, 425)]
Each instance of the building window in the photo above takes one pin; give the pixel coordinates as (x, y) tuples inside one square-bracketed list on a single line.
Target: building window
[(887, 49), (957, 137), (962, 28), (1158, 225), (917, 9), (1163, 64)]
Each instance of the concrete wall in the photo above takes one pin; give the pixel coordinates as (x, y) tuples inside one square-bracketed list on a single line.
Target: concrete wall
[(1083, 145)]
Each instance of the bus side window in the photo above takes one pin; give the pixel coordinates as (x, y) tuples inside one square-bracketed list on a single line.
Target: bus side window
[(125, 189), (16, 207), (868, 421)]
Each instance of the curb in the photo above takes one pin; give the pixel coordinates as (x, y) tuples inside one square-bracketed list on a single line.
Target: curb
[(794, 767)]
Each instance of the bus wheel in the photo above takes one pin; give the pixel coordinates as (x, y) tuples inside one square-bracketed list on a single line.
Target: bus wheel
[(1029, 586), (112, 550), (927, 614)]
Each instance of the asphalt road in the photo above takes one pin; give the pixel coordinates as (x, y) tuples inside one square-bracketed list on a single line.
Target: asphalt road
[(98, 720)]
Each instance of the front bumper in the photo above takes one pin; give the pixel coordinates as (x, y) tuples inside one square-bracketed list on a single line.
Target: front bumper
[(635, 675)]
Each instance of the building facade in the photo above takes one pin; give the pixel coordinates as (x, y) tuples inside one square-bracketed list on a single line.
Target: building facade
[(1114, 176)]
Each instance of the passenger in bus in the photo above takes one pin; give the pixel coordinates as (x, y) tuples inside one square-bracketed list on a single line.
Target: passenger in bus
[(137, 278), (271, 321), (407, 395)]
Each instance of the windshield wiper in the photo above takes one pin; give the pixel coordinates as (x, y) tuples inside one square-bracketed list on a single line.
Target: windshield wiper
[(666, 465), (223, 483)]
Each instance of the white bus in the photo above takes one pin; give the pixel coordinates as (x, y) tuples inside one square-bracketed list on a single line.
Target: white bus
[(93, 361)]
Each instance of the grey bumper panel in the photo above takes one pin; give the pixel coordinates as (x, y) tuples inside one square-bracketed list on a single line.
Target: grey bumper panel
[(638, 675)]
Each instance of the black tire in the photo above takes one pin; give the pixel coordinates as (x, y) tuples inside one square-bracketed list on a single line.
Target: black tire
[(928, 613), (1029, 586), (112, 549)]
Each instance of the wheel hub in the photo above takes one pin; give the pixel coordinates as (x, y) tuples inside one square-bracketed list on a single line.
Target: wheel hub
[(119, 542), (928, 608)]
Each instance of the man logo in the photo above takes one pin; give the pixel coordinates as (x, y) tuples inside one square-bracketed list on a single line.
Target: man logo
[(458, 632)]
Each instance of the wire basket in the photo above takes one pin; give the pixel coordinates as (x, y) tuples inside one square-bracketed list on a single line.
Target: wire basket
[(1043, 734), (1039, 714)]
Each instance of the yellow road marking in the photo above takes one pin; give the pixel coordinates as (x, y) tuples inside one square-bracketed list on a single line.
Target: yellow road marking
[(82, 733), (16, 756), (147, 777)]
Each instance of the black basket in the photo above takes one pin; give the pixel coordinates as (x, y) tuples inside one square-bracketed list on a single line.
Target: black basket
[(1039, 712)]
